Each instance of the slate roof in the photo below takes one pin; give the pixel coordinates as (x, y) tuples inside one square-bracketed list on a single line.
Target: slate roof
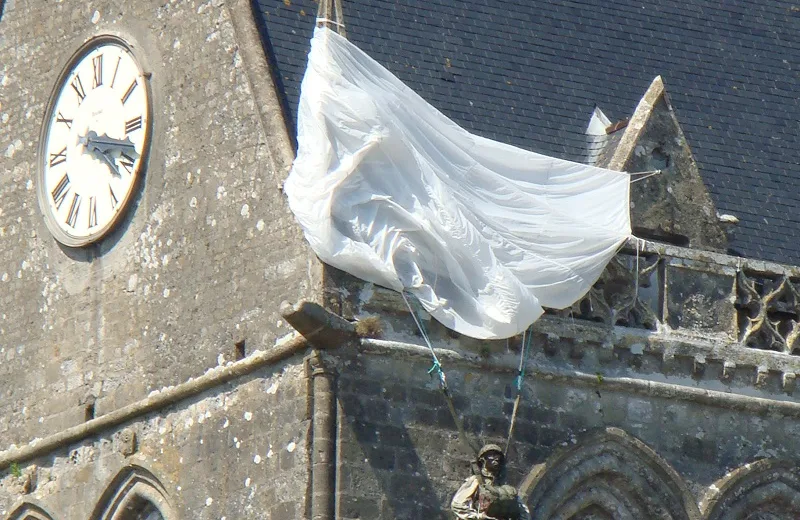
[(529, 73)]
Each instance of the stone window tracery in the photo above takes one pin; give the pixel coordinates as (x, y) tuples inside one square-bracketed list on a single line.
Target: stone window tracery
[(768, 311), (619, 297), (609, 474), (763, 490), (134, 494)]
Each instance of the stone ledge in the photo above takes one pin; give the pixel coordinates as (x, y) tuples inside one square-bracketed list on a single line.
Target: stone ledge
[(719, 259), (755, 405), (155, 401), (579, 339)]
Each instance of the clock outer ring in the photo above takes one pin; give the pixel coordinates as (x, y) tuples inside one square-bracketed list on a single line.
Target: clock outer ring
[(41, 191)]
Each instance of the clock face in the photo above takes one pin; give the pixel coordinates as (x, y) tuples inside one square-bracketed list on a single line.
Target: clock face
[(94, 142)]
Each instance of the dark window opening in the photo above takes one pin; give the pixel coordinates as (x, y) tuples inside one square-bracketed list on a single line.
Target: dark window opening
[(141, 509), (239, 352), (89, 412), (659, 235)]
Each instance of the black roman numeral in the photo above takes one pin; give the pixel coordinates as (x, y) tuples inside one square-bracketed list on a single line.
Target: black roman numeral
[(58, 158), (72, 217), (97, 61), (129, 91), (114, 200), (62, 119), (92, 212), (133, 125), (78, 87), (126, 162), (59, 193), (114, 77)]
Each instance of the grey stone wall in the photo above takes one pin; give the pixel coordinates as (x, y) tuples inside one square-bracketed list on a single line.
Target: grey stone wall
[(239, 451), (203, 258), (400, 456), (673, 386), (673, 206)]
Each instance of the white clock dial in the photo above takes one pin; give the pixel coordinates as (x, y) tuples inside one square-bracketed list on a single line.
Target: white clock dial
[(94, 142)]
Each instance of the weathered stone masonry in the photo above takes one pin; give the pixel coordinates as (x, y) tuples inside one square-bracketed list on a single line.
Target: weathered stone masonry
[(157, 366), (191, 280), (681, 395), (184, 277), (236, 449)]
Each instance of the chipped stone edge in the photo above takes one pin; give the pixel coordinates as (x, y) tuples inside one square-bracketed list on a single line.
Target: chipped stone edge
[(155, 401), (736, 262), (261, 82), (754, 405), (636, 124)]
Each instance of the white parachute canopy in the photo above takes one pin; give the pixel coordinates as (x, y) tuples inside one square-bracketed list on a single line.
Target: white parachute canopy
[(484, 234)]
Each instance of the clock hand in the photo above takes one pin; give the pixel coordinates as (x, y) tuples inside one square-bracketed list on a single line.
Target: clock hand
[(111, 163), (103, 153), (105, 144)]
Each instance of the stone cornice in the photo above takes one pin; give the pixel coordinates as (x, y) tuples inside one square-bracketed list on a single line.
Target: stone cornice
[(541, 369), (723, 262)]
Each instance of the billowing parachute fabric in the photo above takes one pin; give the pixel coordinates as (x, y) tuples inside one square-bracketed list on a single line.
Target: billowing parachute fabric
[(484, 234)]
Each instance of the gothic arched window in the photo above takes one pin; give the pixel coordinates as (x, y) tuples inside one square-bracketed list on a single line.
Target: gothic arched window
[(609, 474), (763, 490), (134, 494), (29, 511)]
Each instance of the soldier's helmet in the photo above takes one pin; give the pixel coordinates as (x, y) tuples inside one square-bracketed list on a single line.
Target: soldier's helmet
[(490, 448)]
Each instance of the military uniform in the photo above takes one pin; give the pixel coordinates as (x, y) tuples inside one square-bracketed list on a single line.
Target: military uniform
[(476, 500)]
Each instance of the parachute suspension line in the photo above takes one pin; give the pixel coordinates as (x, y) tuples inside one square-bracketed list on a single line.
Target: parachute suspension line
[(328, 20), (437, 366), (523, 361), (644, 175), (437, 369)]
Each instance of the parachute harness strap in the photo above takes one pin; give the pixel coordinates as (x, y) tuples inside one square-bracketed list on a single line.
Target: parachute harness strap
[(523, 361), (437, 370)]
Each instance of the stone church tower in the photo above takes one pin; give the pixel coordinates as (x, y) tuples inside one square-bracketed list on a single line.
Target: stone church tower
[(171, 348), (186, 279)]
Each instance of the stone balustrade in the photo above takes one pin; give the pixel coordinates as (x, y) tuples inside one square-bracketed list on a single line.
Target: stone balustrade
[(726, 321)]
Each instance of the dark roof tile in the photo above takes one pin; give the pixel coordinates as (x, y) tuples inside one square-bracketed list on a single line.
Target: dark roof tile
[(529, 72)]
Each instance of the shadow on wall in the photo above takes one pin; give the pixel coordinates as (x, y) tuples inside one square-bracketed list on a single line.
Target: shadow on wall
[(381, 474), (266, 43)]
